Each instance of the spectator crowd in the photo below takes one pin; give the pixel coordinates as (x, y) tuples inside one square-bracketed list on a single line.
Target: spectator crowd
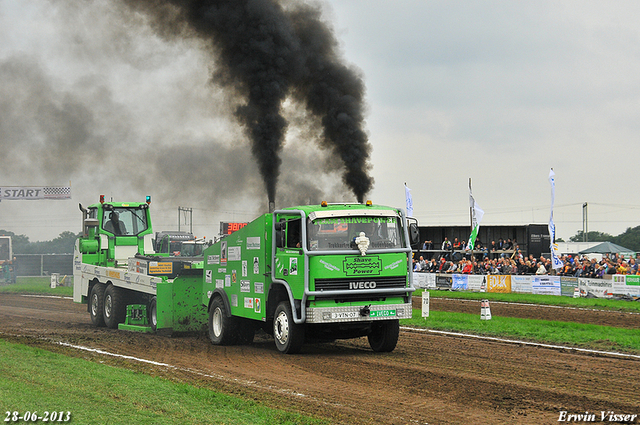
[(505, 257)]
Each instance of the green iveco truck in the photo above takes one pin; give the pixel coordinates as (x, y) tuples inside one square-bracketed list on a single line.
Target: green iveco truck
[(308, 273)]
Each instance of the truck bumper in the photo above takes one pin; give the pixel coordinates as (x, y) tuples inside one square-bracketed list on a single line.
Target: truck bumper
[(358, 313)]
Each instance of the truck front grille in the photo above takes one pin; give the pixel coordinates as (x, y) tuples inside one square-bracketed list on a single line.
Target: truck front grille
[(360, 283)]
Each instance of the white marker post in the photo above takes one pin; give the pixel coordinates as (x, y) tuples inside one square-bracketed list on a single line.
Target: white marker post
[(425, 304)]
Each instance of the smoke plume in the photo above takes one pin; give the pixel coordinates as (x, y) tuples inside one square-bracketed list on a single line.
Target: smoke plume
[(265, 52)]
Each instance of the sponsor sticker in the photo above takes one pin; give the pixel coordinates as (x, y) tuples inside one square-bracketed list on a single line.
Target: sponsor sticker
[(362, 265), (235, 253), (382, 313), (257, 306), (208, 276), (258, 288), (253, 242), (248, 302), (245, 286)]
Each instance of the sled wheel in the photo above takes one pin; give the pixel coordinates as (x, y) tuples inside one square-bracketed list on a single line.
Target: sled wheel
[(153, 314)]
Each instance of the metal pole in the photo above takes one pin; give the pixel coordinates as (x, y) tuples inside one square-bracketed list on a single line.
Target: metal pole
[(585, 223), (470, 207)]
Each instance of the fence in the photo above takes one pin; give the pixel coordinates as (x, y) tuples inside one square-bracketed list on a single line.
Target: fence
[(43, 264), (617, 285)]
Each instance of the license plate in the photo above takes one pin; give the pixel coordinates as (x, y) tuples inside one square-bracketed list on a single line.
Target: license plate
[(382, 313), (345, 315)]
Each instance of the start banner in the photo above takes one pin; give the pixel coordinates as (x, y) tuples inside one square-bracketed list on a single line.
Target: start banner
[(34, 192)]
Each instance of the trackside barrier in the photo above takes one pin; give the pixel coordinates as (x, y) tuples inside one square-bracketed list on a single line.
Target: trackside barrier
[(618, 285)]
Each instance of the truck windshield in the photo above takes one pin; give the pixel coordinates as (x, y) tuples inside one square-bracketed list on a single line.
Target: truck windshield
[(125, 221), (339, 233)]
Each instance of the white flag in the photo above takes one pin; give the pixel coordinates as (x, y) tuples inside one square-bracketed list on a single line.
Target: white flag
[(409, 199), (476, 217), (556, 262)]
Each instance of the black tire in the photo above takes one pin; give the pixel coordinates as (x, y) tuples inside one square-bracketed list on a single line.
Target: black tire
[(288, 335), (222, 329), (153, 314), (384, 335), (96, 304), (115, 307)]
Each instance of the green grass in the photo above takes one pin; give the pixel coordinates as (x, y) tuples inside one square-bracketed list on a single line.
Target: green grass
[(32, 379), (37, 285), (552, 332), (594, 303)]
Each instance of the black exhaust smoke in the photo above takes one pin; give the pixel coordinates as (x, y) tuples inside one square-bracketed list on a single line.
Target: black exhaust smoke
[(265, 53)]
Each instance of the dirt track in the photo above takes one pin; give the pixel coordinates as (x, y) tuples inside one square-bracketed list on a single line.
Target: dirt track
[(428, 378)]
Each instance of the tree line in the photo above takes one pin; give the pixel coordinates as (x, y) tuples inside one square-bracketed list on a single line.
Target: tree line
[(629, 239), (63, 244)]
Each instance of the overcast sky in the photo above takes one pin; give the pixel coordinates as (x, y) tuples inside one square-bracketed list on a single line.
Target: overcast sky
[(499, 92)]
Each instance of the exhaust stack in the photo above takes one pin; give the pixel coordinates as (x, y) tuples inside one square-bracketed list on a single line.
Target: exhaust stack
[(272, 207)]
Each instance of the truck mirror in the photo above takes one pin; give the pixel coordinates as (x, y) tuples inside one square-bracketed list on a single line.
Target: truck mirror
[(414, 234)]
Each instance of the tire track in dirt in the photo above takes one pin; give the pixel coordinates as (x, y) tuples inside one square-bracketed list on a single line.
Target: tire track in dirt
[(427, 379)]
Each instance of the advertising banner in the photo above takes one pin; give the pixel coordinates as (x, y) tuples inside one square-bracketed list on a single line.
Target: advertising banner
[(521, 284), (626, 285), (444, 282), (460, 282), (424, 280), (477, 283), (546, 285), (34, 192), (600, 288), (568, 285), (499, 283)]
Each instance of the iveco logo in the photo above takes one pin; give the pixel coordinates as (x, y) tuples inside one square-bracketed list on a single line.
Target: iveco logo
[(362, 285)]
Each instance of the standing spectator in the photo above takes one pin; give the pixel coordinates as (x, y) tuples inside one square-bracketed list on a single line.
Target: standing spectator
[(447, 247), (633, 266)]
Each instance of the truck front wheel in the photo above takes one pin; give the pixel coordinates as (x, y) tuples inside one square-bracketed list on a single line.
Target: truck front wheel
[(115, 308), (288, 335), (96, 304), (221, 328), (384, 335)]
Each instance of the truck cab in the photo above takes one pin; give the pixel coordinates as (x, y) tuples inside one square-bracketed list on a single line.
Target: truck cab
[(114, 232), (313, 272)]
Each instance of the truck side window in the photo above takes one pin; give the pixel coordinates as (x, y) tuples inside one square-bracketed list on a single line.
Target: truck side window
[(294, 233)]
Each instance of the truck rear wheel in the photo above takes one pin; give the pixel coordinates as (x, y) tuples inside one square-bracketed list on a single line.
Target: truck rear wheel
[(115, 308), (96, 304), (384, 335), (222, 329), (288, 335)]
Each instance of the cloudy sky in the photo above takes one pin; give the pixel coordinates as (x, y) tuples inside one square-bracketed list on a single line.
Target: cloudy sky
[(497, 92)]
